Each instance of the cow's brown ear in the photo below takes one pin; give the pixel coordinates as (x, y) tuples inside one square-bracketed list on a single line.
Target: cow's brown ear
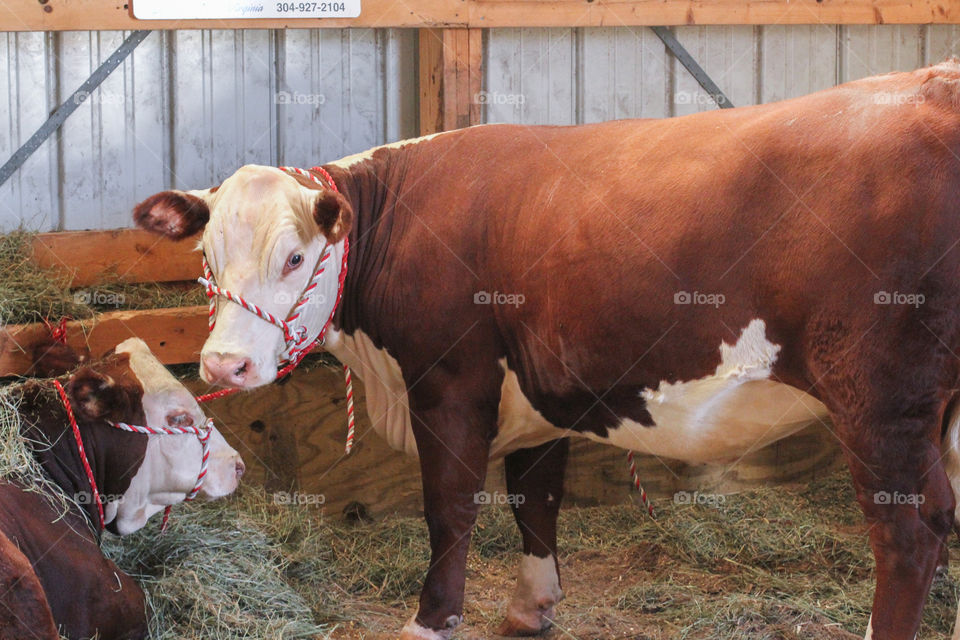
[(93, 394), (52, 358), (333, 215), (174, 214)]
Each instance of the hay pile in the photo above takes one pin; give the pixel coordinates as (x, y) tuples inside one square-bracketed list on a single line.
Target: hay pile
[(774, 563), (30, 294), (17, 463)]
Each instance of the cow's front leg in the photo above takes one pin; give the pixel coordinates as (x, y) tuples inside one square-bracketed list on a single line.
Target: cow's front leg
[(535, 484), (453, 425)]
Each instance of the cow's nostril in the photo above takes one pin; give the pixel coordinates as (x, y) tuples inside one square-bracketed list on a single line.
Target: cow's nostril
[(242, 369), (241, 469)]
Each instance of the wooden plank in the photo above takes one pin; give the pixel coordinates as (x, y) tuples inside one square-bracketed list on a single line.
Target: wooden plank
[(127, 255), (451, 79), (174, 335), (58, 15)]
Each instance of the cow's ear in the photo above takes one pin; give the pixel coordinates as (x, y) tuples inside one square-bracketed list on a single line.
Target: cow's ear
[(174, 214), (333, 215), (94, 395)]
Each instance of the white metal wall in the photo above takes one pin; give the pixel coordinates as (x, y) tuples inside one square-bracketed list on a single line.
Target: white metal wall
[(566, 76), (189, 107)]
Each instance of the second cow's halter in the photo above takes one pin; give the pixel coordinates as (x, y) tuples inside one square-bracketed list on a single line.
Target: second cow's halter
[(202, 433)]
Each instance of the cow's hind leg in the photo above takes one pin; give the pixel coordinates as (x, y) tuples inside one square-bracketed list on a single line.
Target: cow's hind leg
[(889, 420), (950, 449), (535, 484)]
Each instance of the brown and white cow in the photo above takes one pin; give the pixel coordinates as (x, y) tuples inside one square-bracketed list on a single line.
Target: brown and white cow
[(693, 288), (52, 571)]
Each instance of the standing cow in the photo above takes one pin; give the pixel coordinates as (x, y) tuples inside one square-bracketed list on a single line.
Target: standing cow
[(693, 288), (52, 571)]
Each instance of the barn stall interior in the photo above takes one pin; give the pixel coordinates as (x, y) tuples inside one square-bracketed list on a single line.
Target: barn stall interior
[(104, 108)]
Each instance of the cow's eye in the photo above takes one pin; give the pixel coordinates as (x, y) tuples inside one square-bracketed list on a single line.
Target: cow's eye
[(293, 262)]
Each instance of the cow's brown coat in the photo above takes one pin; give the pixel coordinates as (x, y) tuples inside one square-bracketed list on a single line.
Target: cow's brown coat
[(798, 212)]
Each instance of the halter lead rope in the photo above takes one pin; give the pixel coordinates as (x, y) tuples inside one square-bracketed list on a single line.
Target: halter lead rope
[(202, 433), (297, 345)]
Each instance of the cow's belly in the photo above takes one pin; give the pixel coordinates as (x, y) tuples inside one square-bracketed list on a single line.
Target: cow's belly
[(716, 419), (723, 416), (519, 424)]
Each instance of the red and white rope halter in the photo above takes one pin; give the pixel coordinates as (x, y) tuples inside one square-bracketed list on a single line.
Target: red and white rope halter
[(296, 342), (202, 433)]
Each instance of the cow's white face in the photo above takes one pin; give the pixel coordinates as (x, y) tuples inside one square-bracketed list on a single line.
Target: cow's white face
[(264, 235), (171, 463)]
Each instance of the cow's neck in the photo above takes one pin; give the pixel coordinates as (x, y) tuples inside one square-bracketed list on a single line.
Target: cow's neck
[(371, 186), (44, 421)]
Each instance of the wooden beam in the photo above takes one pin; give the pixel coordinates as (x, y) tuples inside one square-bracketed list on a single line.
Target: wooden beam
[(121, 255), (59, 15), (451, 79), (174, 335)]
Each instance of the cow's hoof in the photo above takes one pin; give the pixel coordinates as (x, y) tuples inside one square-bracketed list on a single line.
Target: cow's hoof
[(413, 630), (526, 623)]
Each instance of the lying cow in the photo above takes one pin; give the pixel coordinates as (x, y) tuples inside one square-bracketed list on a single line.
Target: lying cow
[(693, 288), (51, 566)]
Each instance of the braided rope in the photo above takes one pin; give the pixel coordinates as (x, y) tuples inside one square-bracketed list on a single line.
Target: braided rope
[(297, 345), (83, 453), (202, 433), (635, 474)]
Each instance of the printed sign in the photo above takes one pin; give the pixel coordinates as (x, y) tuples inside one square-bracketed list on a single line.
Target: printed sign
[(233, 9)]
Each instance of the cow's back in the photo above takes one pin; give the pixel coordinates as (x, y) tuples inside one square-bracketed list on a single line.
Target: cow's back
[(639, 247)]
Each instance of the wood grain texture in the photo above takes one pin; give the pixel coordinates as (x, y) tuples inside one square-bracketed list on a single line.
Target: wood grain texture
[(174, 335), (451, 79), (292, 435), (120, 255), (57, 15)]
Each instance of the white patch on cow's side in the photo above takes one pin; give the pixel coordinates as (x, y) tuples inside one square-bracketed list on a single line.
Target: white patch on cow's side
[(531, 609), (348, 161), (869, 635), (413, 630), (171, 463), (519, 424), (722, 416)]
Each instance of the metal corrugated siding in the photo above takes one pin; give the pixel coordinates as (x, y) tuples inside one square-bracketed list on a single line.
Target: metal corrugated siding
[(566, 76), (189, 107)]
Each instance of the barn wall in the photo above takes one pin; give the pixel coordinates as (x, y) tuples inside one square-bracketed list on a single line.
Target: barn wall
[(189, 107), (568, 76)]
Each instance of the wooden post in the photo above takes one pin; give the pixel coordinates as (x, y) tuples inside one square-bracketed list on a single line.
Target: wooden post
[(451, 79)]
